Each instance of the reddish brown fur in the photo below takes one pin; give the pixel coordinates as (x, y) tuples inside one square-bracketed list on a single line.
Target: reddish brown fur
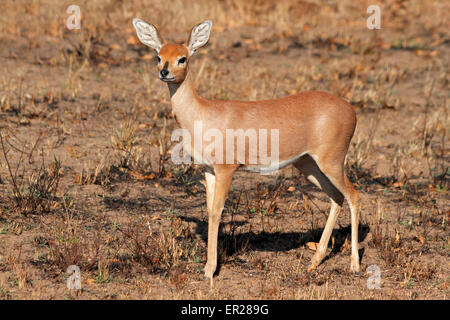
[(171, 53)]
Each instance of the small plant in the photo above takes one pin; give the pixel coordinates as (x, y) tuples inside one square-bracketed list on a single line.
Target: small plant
[(71, 244), (266, 202), (124, 137), (37, 193), (388, 245), (164, 145), (66, 250), (101, 175), (160, 251), (232, 239), (186, 176), (103, 275)]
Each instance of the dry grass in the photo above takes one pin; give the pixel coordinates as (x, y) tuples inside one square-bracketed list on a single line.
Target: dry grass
[(85, 171)]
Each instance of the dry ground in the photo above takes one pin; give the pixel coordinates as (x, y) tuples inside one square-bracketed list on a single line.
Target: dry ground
[(86, 177)]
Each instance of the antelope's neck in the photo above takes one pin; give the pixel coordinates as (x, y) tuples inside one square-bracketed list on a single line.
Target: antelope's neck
[(186, 104)]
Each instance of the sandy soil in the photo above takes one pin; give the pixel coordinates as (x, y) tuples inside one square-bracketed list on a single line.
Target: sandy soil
[(86, 177)]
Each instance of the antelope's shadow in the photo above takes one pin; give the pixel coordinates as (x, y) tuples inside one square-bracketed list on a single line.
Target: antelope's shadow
[(230, 243)]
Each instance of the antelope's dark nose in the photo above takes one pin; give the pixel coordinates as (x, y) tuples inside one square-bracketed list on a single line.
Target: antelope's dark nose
[(164, 73)]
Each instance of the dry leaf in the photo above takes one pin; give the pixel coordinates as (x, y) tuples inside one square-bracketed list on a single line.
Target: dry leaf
[(53, 29), (288, 32), (312, 245), (147, 57), (424, 53), (69, 149), (132, 40), (293, 205), (140, 176), (420, 239), (24, 122), (397, 237), (53, 207), (291, 189), (90, 281), (397, 184), (346, 246), (434, 53)]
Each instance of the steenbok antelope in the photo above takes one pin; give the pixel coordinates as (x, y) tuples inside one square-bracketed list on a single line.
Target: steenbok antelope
[(314, 131)]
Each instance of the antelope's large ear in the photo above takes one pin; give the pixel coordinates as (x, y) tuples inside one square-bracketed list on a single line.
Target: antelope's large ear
[(148, 34), (199, 36)]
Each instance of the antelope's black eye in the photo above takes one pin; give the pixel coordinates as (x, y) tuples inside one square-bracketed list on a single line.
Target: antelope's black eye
[(158, 58), (182, 60)]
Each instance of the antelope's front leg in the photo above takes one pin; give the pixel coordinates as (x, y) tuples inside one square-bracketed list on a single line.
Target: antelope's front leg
[(210, 182), (221, 185)]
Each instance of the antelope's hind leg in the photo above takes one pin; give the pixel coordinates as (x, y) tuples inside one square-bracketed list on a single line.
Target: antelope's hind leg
[(332, 180)]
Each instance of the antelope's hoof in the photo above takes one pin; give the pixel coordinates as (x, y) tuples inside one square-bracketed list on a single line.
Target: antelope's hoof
[(354, 267)]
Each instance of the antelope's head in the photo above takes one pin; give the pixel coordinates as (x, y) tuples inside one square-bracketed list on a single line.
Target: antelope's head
[(173, 59)]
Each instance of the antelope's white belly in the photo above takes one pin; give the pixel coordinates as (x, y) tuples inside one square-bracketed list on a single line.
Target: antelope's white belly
[(270, 169)]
